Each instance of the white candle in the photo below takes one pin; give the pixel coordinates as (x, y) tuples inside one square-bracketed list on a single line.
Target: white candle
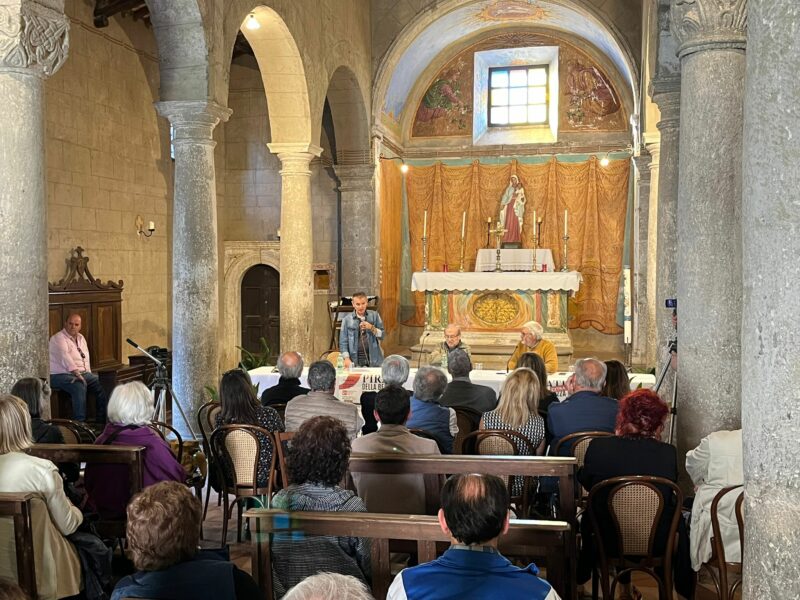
[(425, 225), (151, 226), (463, 224), (566, 229)]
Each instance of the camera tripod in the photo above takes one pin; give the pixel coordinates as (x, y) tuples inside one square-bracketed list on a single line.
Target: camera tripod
[(162, 386), (673, 411)]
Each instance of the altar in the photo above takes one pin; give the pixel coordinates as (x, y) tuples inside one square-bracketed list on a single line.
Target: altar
[(490, 308)]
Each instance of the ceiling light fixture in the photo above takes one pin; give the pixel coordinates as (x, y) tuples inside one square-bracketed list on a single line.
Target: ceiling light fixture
[(403, 166), (252, 23)]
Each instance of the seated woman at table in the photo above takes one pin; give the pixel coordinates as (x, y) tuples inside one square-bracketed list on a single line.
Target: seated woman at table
[(240, 406), (130, 409)]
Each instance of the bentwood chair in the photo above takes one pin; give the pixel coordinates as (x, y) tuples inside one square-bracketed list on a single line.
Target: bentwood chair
[(468, 421), (236, 450), (74, 432), (578, 444), (628, 523), (726, 575), (206, 418), (282, 441)]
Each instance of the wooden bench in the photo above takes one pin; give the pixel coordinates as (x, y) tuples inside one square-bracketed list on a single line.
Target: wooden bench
[(18, 507), (551, 539), (132, 456), (564, 468)]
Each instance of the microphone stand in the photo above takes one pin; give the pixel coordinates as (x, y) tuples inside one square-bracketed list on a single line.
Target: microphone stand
[(421, 348)]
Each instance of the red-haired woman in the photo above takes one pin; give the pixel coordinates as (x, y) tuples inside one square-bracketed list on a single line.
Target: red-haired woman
[(636, 449)]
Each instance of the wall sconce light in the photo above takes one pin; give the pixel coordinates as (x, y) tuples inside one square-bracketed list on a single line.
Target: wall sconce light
[(252, 23), (151, 227), (605, 160), (403, 166)]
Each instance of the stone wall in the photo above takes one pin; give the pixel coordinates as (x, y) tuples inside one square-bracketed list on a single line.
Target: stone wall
[(107, 161)]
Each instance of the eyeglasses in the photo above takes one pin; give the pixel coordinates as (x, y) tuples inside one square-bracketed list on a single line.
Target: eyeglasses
[(452, 337)]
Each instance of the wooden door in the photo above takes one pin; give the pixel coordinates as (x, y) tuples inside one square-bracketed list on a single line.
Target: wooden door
[(261, 309)]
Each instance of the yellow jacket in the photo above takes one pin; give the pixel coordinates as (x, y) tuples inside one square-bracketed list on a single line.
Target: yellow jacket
[(544, 349)]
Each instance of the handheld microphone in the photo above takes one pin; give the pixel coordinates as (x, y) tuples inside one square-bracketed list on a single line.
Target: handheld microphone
[(421, 348)]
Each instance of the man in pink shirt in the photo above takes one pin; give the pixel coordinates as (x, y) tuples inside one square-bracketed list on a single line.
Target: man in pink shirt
[(71, 372)]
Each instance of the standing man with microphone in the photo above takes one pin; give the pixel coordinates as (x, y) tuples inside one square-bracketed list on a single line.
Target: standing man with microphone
[(359, 340)]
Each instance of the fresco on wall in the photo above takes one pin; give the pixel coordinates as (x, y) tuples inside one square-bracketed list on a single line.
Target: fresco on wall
[(513, 10), (588, 100)]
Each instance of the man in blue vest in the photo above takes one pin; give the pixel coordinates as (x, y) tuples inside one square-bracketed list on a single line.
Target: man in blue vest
[(427, 413)]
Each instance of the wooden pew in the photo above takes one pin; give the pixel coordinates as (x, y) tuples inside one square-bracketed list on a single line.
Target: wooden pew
[(564, 468), (551, 539), (132, 456), (18, 506)]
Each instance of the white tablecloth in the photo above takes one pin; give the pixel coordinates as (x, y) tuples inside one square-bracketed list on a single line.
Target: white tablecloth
[(351, 384), (514, 259), (439, 281)]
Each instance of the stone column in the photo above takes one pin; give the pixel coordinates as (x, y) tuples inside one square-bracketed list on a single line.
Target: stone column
[(771, 278), (640, 275), (711, 34), (358, 219), (654, 148), (34, 38), (297, 247), (666, 93), (195, 266)]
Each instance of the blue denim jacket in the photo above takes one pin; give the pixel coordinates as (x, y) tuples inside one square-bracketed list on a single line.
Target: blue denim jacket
[(348, 338)]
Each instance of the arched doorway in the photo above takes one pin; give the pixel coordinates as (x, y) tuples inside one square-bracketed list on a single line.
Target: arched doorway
[(260, 309)]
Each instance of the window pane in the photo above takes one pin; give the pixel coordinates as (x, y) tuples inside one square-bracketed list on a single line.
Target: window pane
[(500, 97), (536, 95), (500, 78), (519, 77), (537, 114), (518, 96), (499, 116), (537, 76), (517, 114)]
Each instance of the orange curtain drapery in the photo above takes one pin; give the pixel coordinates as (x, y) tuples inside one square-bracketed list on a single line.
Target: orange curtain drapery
[(391, 203), (594, 196)]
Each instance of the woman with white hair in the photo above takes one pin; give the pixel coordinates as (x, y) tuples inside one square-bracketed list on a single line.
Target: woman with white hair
[(130, 409), (532, 340)]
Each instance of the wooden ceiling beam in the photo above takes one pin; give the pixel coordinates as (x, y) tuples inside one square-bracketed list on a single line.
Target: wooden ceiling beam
[(104, 9)]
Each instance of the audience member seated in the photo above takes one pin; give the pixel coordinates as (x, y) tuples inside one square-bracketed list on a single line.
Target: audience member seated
[(618, 383), (317, 461), (321, 401), (532, 361), (400, 494), (163, 533), (325, 586), (71, 371), (517, 411), (474, 514), (532, 341), (452, 341), (58, 567), (635, 449), (290, 366), (715, 464), (240, 406), (9, 590), (461, 392), (427, 413), (129, 411), (394, 371), (586, 409)]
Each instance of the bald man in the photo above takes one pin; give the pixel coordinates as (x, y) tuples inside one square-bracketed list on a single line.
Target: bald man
[(531, 341), (452, 341), (290, 366)]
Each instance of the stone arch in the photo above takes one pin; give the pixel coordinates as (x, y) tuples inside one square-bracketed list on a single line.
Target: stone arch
[(182, 49), (239, 257), (350, 117)]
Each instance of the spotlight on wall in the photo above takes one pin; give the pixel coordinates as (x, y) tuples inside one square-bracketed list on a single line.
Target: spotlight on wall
[(252, 23), (151, 227), (404, 168), (605, 160), (403, 165)]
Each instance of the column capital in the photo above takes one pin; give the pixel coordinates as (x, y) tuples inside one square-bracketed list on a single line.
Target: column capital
[(295, 157), (666, 93), (353, 178), (708, 24), (654, 149), (642, 163), (34, 37), (192, 120)]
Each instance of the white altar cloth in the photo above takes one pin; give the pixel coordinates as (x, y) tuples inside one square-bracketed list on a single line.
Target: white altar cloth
[(512, 259), (439, 281)]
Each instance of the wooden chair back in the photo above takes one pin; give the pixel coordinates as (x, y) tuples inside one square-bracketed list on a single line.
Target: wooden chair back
[(74, 432), (726, 575), (634, 507), (548, 539), (467, 423), (578, 443), (332, 356), (282, 440), (161, 429), (19, 508), (280, 409)]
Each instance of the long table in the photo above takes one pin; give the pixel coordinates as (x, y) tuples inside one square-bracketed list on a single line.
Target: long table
[(351, 384)]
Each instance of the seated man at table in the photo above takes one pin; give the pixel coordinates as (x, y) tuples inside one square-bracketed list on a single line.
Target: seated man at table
[(585, 409), (290, 366), (426, 412), (321, 401), (452, 341), (461, 392), (394, 371), (474, 514), (532, 341), (392, 493), (71, 372)]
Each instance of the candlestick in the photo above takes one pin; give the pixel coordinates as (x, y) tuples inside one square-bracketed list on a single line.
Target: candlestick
[(566, 229), (463, 224), (534, 268), (424, 253), (539, 231), (498, 232), (461, 262), (488, 232), (425, 226), (564, 267)]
